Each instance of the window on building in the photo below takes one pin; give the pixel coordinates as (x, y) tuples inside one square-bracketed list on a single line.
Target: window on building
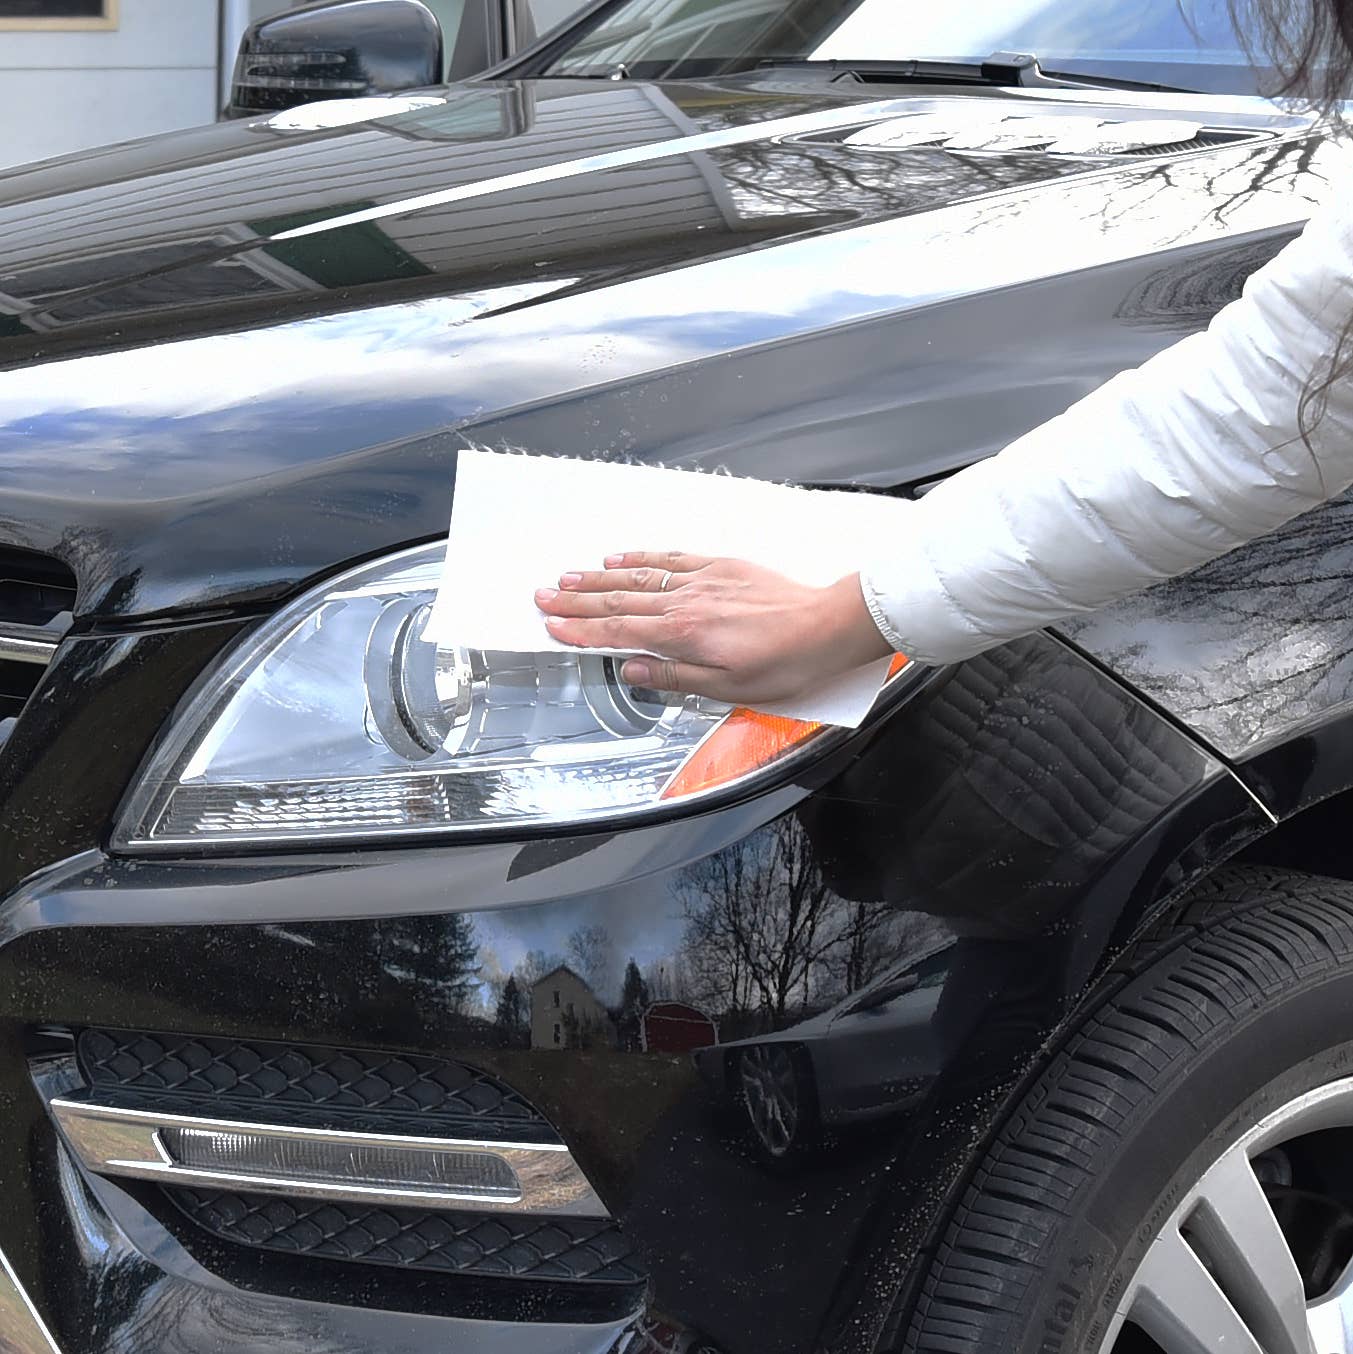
[(558, 1034), (570, 1008), (556, 996), (58, 13)]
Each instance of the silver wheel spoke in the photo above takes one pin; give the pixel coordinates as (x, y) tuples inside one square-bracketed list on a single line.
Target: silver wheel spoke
[(1178, 1304), (1331, 1318), (1220, 1277), (1237, 1231)]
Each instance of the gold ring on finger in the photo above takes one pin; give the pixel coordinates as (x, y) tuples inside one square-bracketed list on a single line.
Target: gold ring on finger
[(666, 579)]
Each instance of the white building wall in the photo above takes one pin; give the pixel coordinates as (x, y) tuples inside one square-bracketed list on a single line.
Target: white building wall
[(64, 91), (166, 65), (561, 1001)]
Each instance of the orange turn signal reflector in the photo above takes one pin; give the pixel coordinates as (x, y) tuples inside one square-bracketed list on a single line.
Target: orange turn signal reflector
[(745, 742)]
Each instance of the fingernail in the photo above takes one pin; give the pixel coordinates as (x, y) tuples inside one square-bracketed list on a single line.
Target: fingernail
[(546, 594), (637, 672), (614, 561), (570, 580)]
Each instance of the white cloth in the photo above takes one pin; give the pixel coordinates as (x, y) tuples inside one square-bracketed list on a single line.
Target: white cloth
[(1158, 471), (536, 516)]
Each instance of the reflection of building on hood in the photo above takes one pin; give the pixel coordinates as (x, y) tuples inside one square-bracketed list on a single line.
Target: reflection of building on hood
[(566, 1013), (235, 245)]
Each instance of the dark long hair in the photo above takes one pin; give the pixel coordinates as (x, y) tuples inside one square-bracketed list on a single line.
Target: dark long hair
[(1307, 45)]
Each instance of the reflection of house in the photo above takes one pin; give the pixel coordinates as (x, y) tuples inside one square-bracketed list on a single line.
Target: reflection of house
[(224, 204), (565, 1013)]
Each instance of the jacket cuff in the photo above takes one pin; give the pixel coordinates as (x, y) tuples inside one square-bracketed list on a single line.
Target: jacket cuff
[(875, 604), (908, 599)]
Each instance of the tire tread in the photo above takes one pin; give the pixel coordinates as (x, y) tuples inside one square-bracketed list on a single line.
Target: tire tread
[(1241, 934)]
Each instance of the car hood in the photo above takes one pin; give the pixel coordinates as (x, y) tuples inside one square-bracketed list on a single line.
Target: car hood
[(237, 356), (535, 186)]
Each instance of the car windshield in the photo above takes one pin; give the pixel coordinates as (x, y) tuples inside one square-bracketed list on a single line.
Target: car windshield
[(1186, 44)]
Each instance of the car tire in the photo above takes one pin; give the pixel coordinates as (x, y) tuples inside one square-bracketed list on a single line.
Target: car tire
[(1237, 1011)]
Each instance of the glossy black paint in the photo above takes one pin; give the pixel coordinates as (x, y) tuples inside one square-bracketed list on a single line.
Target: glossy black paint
[(219, 388), (84, 732), (786, 308), (1255, 652), (1015, 818)]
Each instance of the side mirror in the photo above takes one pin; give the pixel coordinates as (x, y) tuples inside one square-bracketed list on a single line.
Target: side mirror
[(338, 49)]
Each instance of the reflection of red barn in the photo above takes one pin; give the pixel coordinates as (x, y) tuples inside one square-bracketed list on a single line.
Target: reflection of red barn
[(675, 1027)]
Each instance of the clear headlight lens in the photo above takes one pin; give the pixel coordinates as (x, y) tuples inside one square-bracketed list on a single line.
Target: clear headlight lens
[(337, 719)]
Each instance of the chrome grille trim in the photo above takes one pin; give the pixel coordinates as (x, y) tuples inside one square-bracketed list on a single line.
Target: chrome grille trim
[(110, 1140), (27, 644)]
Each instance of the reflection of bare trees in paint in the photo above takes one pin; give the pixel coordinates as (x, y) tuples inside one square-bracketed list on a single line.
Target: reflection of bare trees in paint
[(834, 181), (864, 946), (766, 934), (591, 954), (1278, 166), (1268, 630), (1176, 197), (756, 922)]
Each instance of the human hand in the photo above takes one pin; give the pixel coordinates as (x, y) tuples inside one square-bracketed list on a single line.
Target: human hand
[(726, 628)]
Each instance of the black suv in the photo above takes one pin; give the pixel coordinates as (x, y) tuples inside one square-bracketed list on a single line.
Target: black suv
[(358, 995)]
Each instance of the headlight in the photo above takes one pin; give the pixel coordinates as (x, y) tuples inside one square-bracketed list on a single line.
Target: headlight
[(337, 720)]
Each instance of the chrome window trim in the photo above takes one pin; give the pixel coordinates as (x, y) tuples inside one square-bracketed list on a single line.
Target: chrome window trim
[(110, 1140)]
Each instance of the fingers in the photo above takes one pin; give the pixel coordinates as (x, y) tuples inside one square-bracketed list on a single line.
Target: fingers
[(611, 632), (595, 604), (633, 632), (665, 674), (645, 578), (678, 561)]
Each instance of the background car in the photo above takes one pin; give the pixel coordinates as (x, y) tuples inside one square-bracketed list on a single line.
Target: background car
[(325, 957)]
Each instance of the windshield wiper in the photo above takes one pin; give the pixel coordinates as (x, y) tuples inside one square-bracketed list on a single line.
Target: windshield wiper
[(1004, 69)]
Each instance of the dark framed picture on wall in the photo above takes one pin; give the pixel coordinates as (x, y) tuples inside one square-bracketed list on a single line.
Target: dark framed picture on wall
[(58, 14)]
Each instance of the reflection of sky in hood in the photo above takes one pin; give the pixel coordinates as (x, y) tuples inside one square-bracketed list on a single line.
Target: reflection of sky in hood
[(277, 397)]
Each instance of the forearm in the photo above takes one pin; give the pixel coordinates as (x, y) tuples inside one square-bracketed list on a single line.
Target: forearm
[(1160, 470)]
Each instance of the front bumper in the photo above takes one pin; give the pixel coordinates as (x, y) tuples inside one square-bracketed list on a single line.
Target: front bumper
[(1015, 817)]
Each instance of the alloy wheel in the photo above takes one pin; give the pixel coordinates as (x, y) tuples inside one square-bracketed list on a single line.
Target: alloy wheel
[(1224, 1275), (771, 1094)]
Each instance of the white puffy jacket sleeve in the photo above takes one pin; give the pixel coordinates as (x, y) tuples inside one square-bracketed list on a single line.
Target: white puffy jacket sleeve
[(1160, 470)]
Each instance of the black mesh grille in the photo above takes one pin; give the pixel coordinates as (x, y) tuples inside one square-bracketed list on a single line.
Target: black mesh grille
[(34, 591), (17, 681), (1200, 142), (578, 1250), (1206, 138), (315, 1084)]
